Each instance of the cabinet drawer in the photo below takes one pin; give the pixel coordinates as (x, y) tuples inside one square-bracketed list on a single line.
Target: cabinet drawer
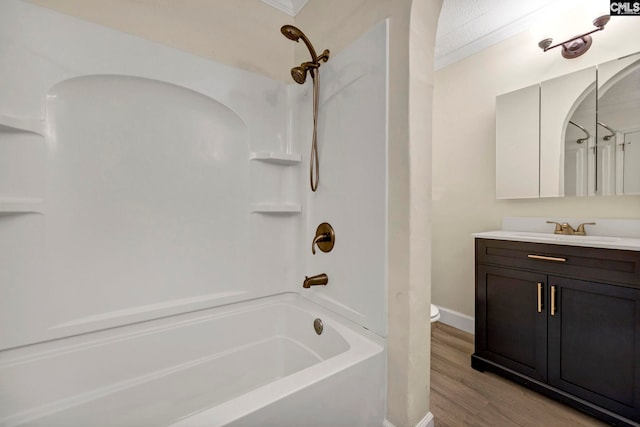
[(610, 265)]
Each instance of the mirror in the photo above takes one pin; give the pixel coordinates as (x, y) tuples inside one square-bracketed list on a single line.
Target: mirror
[(601, 153), (618, 133), (567, 106), (580, 142), (588, 142)]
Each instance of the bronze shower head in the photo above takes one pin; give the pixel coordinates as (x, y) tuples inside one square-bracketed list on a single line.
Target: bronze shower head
[(291, 32), (299, 74), (295, 34)]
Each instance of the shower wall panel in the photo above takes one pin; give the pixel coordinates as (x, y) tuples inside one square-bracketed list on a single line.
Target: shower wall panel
[(352, 194), (126, 185)]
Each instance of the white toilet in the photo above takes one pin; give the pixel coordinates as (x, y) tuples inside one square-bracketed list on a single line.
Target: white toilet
[(435, 313)]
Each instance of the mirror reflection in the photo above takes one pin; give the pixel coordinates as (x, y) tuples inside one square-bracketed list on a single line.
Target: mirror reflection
[(602, 134), (618, 133), (580, 147)]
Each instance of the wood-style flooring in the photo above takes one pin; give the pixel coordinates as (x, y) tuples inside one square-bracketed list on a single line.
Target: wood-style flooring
[(462, 396)]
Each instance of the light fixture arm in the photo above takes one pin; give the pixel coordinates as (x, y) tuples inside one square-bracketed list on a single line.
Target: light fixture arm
[(572, 39), (582, 41)]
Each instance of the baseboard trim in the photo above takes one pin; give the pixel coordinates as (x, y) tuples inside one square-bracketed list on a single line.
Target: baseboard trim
[(457, 320), (427, 421)]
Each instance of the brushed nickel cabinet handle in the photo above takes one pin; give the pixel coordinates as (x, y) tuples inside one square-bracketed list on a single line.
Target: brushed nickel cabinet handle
[(547, 258), (553, 301), (539, 297)]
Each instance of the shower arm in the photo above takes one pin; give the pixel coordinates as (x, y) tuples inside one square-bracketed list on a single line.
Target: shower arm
[(586, 132), (607, 137)]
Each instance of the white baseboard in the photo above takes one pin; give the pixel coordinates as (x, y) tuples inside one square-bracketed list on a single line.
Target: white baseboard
[(457, 320), (427, 421)]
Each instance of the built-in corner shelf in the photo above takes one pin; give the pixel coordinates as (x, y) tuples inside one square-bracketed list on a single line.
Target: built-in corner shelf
[(276, 208), (21, 206), (285, 159), (21, 124), (271, 184)]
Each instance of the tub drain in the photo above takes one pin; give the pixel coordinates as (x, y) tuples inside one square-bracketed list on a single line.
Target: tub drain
[(317, 325)]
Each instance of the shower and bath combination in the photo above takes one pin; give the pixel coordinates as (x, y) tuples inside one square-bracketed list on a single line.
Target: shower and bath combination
[(324, 234), (299, 74)]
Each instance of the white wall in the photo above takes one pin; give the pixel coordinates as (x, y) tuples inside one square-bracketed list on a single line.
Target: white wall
[(352, 147), (241, 33), (464, 150), (143, 209)]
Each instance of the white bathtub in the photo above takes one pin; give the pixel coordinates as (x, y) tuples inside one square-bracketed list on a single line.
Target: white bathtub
[(257, 363)]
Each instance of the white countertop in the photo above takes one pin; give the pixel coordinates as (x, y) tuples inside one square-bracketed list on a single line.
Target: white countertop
[(607, 242)]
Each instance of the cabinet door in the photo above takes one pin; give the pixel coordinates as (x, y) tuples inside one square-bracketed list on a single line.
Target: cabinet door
[(511, 327), (594, 343), (518, 144)]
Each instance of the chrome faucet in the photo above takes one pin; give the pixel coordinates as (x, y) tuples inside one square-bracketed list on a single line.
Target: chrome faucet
[(565, 228), (320, 279)]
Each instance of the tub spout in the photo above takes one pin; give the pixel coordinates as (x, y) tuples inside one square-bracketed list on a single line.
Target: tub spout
[(320, 279)]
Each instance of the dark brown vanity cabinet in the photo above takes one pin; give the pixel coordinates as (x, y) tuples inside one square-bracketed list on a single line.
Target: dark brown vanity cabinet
[(563, 320)]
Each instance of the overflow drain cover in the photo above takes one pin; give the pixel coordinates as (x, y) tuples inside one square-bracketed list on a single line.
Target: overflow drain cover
[(317, 325)]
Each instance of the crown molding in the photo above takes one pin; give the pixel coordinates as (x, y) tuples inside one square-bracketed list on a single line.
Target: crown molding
[(290, 7)]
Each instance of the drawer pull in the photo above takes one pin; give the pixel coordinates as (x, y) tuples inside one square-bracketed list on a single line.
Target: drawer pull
[(553, 301), (539, 297), (546, 258)]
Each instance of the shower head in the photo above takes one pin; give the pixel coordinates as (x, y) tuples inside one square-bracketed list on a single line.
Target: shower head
[(294, 33), (291, 32), (299, 74)]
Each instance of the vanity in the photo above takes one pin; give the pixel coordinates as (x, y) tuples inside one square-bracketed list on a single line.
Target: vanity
[(561, 315)]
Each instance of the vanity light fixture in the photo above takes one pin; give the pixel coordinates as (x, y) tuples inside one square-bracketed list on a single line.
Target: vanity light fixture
[(577, 45)]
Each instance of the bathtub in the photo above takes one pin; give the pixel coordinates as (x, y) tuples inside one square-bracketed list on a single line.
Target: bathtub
[(255, 363)]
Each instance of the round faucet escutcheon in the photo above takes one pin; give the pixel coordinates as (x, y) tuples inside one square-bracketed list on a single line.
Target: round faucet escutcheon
[(325, 238)]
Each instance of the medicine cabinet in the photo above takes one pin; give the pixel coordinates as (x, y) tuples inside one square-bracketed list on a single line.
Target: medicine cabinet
[(574, 135)]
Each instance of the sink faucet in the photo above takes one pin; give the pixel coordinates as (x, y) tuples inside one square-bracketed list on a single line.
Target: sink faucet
[(320, 279), (565, 228)]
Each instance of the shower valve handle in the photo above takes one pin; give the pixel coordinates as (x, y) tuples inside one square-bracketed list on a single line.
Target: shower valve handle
[(319, 239), (325, 238)]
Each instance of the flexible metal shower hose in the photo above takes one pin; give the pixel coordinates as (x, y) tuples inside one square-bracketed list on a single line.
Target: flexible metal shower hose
[(314, 141)]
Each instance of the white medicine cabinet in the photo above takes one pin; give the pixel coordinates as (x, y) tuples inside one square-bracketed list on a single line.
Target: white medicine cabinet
[(574, 135)]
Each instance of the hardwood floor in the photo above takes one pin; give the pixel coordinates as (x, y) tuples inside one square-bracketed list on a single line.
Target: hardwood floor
[(462, 396)]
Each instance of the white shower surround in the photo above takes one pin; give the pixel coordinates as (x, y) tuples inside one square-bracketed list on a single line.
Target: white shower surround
[(98, 234)]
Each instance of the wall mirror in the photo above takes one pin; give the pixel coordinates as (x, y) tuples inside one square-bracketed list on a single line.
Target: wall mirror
[(618, 127), (588, 142), (579, 142), (567, 115), (602, 132)]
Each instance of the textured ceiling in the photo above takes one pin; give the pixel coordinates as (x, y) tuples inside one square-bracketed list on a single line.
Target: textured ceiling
[(468, 26)]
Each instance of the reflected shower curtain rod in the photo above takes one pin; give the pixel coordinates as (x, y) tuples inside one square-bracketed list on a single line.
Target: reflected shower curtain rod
[(607, 137), (581, 140)]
